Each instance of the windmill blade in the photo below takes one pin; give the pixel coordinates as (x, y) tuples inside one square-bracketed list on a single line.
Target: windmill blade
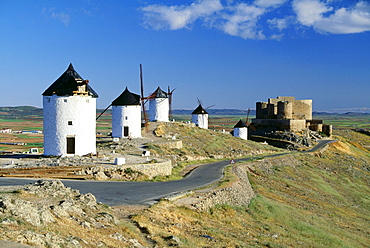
[(103, 112), (169, 102), (169, 93), (143, 98), (210, 106), (246, 121), (199, 101)]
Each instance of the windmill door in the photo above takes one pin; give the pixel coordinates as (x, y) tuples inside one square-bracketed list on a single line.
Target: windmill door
[(71, 145), (125, 131)]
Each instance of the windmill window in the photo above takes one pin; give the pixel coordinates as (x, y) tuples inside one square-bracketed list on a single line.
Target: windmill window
[(126, 117), (65, 100), (69, 123), (48, 99)]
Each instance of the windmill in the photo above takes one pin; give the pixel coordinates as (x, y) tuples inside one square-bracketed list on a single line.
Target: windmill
[(200, 116)]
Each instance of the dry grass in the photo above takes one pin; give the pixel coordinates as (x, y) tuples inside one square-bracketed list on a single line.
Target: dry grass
[(303, 201)]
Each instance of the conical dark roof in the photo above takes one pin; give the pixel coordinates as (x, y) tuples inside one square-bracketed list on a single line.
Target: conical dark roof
[(127, 98), (240, 124), (199, 111), (158, 93), (67, 84)]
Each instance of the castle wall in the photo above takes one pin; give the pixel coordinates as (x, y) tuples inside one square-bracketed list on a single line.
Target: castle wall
[(271, 111), (302, 109), (327, 129), (69, 117), (281, 99), (129, 117), (295, 125), (159, 109), (261, 110)]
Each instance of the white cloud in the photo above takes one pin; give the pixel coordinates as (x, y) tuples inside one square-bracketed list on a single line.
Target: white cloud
[(256, 19), (177, 17), (63, 17), (269, 3), (280, 23), (341, 21), (242, 21)]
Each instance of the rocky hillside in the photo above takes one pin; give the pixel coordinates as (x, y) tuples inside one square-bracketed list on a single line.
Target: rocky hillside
[(48, 214), (199, 144)]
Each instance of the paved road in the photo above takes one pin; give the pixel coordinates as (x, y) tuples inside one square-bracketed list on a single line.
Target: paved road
[(321, 144), (120, 193)]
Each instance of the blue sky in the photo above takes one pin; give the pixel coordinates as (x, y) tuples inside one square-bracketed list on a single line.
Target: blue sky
[(230, 54)]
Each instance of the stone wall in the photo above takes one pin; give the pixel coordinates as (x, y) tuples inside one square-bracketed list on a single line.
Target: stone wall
[(119, 172), (296, 125), (171, 144), (302, 109), (239, 193)]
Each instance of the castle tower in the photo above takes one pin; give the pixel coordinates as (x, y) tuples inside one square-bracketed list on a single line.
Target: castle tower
[(126, 115), (158, 106), (200, 117), (285, 110), (69, 116), (241, 130)]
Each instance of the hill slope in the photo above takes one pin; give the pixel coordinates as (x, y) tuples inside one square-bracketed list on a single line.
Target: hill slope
[(302, 200)]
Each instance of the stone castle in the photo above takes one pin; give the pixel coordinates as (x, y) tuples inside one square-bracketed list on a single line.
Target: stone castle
[(287, 113)]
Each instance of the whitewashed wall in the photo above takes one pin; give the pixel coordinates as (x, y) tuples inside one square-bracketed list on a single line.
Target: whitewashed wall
[(129, 116), (58, 110), (159, 109), (241, 132), (201, 120)]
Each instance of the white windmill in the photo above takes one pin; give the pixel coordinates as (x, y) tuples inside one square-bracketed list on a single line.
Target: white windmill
[(126, 115), (159, 106), (200, 116), (69, 116), (241, 130)]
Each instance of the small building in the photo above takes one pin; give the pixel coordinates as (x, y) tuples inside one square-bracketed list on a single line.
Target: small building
[(200, 117), (126, 115), (5, 130), (241, 130), (159, 106), (69, 106)]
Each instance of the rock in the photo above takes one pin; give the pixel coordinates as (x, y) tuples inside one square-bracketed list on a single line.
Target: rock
[(100, 175), (26, 210), (85, 224), (118, 236), (136, 243)]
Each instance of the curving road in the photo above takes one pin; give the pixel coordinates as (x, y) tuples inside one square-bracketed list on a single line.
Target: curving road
[(321, 144), (121, 193)]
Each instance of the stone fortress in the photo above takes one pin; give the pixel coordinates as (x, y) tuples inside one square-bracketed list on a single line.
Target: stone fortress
[(287, 113)]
